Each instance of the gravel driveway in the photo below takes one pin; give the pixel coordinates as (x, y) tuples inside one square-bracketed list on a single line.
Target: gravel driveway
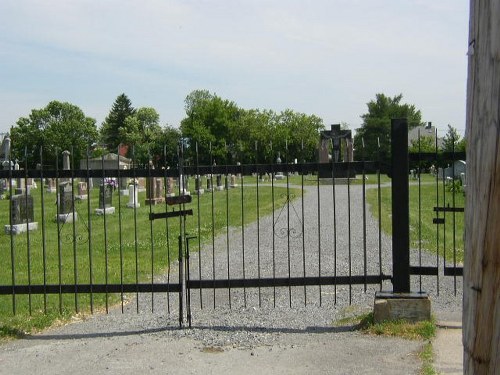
[(251, 331)]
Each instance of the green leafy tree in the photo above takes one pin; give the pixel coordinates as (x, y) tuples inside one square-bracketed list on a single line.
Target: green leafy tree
[(114, 125), (233, 134), (376, 125), (208, 124), (57, 127), (141, 132)]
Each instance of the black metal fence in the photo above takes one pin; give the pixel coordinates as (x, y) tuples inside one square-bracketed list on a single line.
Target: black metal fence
[(205, 236)]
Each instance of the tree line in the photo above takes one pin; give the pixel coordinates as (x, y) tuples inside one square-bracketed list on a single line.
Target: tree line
[(213, 131)]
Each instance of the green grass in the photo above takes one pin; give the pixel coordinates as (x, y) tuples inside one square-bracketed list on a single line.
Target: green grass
[(433, 238), (129, 247)]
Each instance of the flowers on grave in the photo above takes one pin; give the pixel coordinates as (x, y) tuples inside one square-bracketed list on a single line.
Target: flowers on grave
[(111, 182)]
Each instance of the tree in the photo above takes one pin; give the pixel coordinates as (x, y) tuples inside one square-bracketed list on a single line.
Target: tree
[(230, 134), (141, 132), (376, 125), (481, 312), (452, 141), (115, 122), (208, 124), (57, 127)]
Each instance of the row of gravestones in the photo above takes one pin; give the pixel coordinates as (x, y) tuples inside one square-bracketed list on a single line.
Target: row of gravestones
[(22, 208)]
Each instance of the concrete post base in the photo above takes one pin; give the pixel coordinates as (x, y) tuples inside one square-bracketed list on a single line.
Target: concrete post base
[(413, 307)]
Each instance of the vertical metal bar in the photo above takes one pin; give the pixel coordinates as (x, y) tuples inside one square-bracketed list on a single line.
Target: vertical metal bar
[(419, 211), (188, 278), (365, 259), (182, 233), (243, 238), (258, 220), (106, 266), (303, 224), (437, 205), (318, 209), (75, 259), (349, 237), (59, 244), (44, 238), (334, 203), (379, 203), (400, 206), (167, 230), (212, 212), (288, 224), (136, 250), (152, 197), (200, 186), (444, 219), (28, 247), (12, 247), (89, 219), (181, 279), (120, 237), (274, 226), (454, 219), (226, 185)]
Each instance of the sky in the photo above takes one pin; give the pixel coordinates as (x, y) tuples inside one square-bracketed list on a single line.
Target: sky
[(324, 57)]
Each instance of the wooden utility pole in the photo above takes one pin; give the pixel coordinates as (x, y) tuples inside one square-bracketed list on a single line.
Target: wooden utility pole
[(481, 310)]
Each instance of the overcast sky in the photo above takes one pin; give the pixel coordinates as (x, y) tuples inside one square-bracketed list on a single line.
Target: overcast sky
[(322, 57)]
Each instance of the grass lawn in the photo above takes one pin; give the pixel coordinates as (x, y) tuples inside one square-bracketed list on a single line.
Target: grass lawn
[(124, 247), (442, 238)]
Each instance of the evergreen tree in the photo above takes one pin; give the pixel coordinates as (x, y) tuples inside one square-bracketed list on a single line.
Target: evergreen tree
[(115, 123)]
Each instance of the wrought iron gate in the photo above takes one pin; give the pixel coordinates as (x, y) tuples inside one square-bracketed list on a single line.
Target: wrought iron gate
[(247, 235)]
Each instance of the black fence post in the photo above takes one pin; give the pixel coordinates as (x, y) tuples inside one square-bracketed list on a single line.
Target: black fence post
[(400, 206)]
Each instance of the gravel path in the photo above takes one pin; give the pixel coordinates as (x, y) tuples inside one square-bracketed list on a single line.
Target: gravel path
[(253, 330)]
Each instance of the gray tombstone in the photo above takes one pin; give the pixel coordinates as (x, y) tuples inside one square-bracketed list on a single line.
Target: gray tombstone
[(198, 185), (220, 186), (133, 201), (66, 162), (66, 198), (22, 215), (159, 190), (170, 187), (105, 200), (82, 191), (66, 204)]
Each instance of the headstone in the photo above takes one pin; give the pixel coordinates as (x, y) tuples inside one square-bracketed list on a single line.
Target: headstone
[(141, 184), (66, 162), (209, 184), (123, 181), (233, 181), (198, 187), (82, 191), (51, 185), (152, 193), (219, 187), (66, 204), (170, 187), (133, 201), (22, 215), (2, 188), (105, 200), (184, 185), (279, 175), (159, 191)]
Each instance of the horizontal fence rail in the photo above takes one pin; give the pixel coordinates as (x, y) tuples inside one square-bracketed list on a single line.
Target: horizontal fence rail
[(272, 234)]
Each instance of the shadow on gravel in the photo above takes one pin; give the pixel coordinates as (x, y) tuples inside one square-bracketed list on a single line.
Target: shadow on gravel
[(308, 330)]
